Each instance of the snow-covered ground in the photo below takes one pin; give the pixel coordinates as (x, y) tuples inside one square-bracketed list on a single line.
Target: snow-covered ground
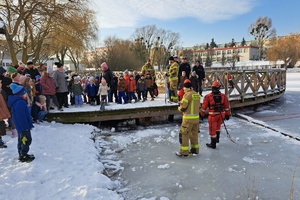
[(127, 162)]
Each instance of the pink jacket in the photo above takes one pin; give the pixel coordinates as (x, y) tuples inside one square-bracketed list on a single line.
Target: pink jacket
[(48, 85)]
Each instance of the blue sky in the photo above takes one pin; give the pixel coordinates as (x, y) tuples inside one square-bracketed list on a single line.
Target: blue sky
[(197, 21)]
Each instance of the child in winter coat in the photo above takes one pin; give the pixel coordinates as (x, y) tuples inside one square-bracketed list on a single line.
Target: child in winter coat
[(76, 91), (22, 120), (49, 89), (122, 89), (39, 109), (91, 91), (141, 88), (131, 89), (103, 92), (4, 114), (149, 84)]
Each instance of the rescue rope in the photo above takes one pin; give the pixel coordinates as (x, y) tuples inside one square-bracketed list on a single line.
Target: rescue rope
[(228, 135)]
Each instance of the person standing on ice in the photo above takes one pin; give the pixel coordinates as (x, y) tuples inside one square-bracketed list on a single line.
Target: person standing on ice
[(218, 110), (190, 107)]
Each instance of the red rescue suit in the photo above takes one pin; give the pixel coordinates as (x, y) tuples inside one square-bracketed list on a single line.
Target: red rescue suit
[(218, 106)]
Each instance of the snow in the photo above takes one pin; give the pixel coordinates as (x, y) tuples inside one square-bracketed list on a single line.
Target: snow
[(77, 161)]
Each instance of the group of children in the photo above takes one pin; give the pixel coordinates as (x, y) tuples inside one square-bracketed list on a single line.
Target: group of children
[(127, 88)]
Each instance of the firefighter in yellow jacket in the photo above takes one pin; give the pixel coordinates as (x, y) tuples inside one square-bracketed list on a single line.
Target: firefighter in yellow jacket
[(190, 107), (173, 79)]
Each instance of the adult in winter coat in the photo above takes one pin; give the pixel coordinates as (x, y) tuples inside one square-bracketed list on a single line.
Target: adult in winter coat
[(184, 66), (198, 68), (22, 120), (49, 89), (60, 80), (33, 72), (218, 110), (190, 107), (4, 114), (147, 67), (173, 79), (107, 74), (114, 89)]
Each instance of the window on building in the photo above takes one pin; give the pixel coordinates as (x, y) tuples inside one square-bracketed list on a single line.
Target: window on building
[(240, 50), (224, 52), (228, 51)]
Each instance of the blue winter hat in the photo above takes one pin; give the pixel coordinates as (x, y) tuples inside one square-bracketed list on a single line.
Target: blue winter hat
[(37, 76), (17, 90)]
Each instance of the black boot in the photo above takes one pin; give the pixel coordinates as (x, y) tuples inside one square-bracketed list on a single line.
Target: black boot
[(193, 151), (2, 144), (218, 136), (212, 143)]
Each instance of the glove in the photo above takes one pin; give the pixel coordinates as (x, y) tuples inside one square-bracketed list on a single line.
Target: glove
[(227, 117), (201, 118), (72, 94)]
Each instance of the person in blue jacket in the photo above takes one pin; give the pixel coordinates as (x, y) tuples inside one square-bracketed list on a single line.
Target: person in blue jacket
[(22, 120)]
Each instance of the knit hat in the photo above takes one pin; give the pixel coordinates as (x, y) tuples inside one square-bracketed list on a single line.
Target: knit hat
[(6, 81), (187, 85), (20, 68), (77, 78), (171, 58), (121, 75), (2, 70), (17, 90), (104, 66), (11, 70), (37, 77), (91, 78), (29, 62)]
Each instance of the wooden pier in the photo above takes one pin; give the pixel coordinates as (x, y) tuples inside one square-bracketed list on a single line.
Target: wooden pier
[(250, 87)]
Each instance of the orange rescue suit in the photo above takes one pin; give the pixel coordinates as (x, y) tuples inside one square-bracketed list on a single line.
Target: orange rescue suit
[(218, 107)]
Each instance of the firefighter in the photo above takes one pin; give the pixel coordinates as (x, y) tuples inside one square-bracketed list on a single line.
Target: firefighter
[(218, 110), (190, 107), (173, 79)]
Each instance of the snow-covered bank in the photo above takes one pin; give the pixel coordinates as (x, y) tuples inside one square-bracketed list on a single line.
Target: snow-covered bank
[(66, 166)]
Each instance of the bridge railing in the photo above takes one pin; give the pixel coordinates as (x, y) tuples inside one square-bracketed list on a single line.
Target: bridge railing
[(247, 83)]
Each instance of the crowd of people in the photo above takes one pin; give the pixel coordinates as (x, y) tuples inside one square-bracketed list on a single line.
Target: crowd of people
[(32, 91)]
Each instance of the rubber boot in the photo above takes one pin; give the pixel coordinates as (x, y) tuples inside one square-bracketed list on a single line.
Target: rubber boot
[(212, 143), (218, 136)]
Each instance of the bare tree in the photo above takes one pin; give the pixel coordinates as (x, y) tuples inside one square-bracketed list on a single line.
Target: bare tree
[(154, 43), (262, 30), (285, 48), (33, 25)]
